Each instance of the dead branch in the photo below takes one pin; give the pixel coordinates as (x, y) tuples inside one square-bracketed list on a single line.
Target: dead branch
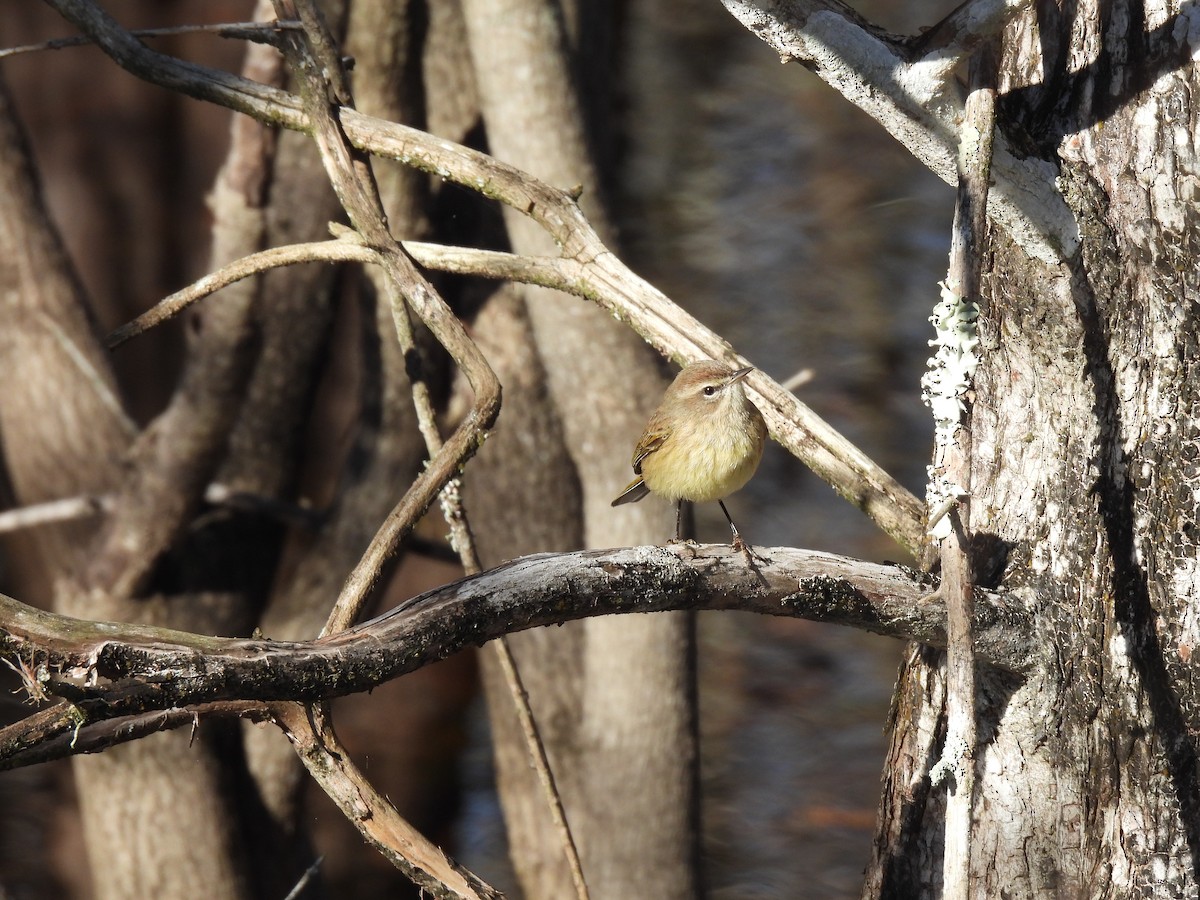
[(108, 670), (953, 456), (100, 736), (403, 846), (249, 31)]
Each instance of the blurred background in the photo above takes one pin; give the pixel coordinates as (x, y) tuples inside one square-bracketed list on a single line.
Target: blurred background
[(749, 193)]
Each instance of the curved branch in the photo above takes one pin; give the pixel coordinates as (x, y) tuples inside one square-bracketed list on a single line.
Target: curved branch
[(610, 283), (109, 670), (563, 274)]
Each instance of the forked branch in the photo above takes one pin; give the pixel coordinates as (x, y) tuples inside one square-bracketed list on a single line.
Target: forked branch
[(918, 101)]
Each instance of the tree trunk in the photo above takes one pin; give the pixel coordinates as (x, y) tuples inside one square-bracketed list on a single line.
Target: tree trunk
[(1084, 505)]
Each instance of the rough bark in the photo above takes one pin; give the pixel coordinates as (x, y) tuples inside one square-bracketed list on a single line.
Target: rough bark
[(108, 671), (1084, 502)]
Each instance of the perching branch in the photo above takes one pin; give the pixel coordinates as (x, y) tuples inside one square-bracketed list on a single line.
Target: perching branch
[(611, 283), (109, 670), (918, 102)]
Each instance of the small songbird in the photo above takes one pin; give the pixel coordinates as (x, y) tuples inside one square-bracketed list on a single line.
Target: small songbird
[(702, 443)]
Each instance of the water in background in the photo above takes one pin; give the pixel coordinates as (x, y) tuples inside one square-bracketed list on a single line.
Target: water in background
[(782, 217)]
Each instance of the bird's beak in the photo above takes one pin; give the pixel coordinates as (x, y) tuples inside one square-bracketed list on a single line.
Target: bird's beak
[(740, 374)]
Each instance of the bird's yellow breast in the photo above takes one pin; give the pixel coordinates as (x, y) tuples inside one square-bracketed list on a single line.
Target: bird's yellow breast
[(705, 460)]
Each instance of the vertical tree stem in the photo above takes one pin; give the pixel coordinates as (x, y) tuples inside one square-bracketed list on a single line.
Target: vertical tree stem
[(970, 223)]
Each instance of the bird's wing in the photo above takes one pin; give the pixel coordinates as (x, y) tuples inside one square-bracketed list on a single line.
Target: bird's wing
[(651, 441)]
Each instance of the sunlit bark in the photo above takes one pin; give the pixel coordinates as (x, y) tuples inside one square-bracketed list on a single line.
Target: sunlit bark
[(1084, 502)]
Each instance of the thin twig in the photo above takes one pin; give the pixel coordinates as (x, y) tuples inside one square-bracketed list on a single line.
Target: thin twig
[(562, 274), (314, 62), (86, 505), (541, 762), (309, 874), (60, 731), (799, 380), (64, 510), (463, 541), (251, 31), (355, 188)]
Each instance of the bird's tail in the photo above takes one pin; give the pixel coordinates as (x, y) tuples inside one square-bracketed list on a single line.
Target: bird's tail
[(633, 492)]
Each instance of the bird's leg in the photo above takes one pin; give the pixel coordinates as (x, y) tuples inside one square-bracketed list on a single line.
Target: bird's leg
[(738, 543), (678, 518)]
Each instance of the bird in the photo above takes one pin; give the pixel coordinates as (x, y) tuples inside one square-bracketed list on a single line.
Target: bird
[(703, 443)]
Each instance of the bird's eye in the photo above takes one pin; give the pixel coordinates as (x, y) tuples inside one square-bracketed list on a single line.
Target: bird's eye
[(709, 390)]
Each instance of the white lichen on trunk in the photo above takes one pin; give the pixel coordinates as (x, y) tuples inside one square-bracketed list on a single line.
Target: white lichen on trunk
[(944, 390)]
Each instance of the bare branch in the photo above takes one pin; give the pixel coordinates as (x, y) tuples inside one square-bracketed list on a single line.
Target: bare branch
[(64, 510), (100, 659), (85, 505), (41, 738), (309, 874), (407, 849), (918, 103), (355, 187), (265, 103), (251, 31), (558, 273)]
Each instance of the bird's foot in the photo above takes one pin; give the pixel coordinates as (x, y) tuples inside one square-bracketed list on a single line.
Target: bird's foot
[(740, 545)]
